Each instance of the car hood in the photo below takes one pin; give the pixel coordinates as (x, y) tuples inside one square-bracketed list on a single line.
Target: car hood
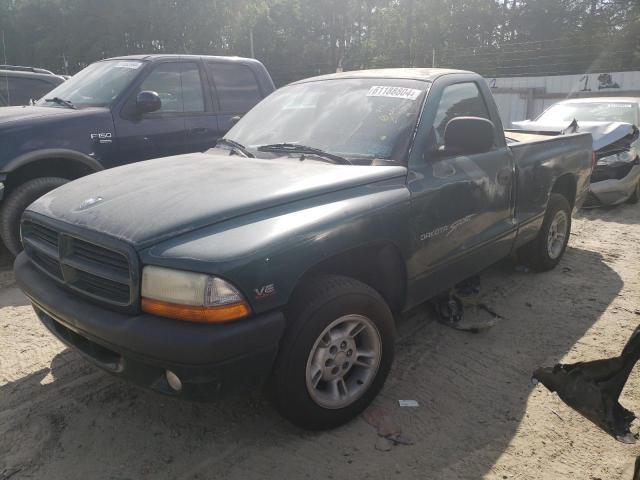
[(603, 133), (148, 202), (14, 114)]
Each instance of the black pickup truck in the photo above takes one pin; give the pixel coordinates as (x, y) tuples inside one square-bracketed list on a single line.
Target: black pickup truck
[(280, 255), (119, 111)]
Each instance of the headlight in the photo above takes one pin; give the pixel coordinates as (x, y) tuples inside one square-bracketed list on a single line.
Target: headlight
[(622, 157), (194, 297)]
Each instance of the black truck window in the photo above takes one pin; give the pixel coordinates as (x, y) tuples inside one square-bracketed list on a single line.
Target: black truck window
[(459, 100), (165, 81), (192, 95), (21, 90), (237, 87)]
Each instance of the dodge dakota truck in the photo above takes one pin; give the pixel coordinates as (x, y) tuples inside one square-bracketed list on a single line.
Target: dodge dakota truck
[(279, 258), (119, 111)]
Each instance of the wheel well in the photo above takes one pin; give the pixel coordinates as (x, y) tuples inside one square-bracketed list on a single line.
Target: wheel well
[(379, 265), (47, 167), (566, 185)]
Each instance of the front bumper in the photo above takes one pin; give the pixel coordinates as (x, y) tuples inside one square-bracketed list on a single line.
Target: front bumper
[(614, 191), (210, 360)]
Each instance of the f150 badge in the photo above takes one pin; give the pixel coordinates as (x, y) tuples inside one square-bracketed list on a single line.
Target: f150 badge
[(265, 291), (103, 137)]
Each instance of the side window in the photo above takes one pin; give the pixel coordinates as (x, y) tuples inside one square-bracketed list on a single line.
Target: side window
[(165, 80), (192, 94), (20, 90), (459, 100), (237, 87)]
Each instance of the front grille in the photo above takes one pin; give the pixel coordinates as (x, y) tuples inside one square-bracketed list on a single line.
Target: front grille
[(94, 270), (611, 172)]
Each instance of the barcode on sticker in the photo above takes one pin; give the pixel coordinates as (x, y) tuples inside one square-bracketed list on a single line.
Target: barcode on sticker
[(394, 92)]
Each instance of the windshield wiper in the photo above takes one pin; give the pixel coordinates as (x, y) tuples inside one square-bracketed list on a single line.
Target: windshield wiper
[(236, 147), (60, 101), (297, 148)]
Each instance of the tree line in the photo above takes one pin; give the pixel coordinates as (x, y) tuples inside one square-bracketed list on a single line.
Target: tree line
[(299, 38)]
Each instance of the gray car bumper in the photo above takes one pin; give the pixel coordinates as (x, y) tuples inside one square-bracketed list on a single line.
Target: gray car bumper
[(613, 191)]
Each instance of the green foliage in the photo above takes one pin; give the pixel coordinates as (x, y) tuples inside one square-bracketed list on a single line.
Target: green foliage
[(298, 38)]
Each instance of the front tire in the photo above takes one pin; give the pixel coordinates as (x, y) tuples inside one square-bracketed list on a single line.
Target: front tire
[(15, 204), (336, 352), (546, 250)]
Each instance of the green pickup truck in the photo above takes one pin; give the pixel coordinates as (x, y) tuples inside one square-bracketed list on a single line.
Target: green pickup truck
[(279, 257)]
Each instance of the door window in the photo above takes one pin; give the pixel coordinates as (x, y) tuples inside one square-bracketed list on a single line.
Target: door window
[(21, 90), (459, 100), (178, 85), (237, 87)]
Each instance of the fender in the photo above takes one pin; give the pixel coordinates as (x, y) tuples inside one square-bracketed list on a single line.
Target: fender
[(266, 253), (27, 158)]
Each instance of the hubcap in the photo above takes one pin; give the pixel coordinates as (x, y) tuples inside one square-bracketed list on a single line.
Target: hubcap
[(343, 361), (557, 234)]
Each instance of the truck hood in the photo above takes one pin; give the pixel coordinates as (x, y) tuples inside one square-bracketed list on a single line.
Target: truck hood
[(148, 202), (15, 114), (603, 133)]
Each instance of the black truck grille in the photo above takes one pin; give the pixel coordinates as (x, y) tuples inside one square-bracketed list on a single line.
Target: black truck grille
[(101, 273)]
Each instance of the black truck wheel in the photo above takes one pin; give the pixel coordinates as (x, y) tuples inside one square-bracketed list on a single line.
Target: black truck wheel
[(546, 250), (336, 352), (13, 206)]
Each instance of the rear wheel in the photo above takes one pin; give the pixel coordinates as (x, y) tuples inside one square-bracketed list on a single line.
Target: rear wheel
[(635, 196), (14, 205), (336, 353), (546, 250)]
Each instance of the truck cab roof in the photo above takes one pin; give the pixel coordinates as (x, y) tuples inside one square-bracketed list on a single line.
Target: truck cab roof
[(424, 74)]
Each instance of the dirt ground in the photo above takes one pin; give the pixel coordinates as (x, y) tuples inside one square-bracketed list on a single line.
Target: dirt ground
[(478, 415)]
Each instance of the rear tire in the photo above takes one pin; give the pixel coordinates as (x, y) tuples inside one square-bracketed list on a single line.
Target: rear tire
[(335, 354), (15, 204), (546, 250), (635, 196)]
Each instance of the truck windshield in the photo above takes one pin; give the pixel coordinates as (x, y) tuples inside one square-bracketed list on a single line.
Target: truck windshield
[(354, 118), (95, 86), (590, 112)]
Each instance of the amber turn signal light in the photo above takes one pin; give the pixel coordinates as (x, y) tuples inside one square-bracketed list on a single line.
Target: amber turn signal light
[(199, 314)]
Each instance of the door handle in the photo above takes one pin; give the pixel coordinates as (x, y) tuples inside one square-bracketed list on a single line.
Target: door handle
[(198, 131), (505, 176)]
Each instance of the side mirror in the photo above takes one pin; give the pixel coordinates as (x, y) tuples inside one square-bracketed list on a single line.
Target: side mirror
[(469, 135), (148, 101), (234, 120)]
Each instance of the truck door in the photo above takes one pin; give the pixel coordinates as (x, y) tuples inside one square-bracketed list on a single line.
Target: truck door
[(200, 109), (461, 205), (237, 89), (156, 134)]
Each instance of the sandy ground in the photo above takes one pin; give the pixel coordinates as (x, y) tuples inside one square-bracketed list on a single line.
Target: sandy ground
[(478, 416)]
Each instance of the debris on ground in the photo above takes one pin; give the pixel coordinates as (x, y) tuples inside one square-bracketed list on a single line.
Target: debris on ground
[(389, 432), (408, 403), (593, 388), (462, 308)]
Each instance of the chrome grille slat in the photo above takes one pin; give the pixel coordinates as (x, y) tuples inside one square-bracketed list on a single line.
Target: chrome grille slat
[(97, 271)]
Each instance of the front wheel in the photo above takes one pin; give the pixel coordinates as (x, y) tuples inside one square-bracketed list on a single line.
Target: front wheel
[(15, 204), (546, 250), (336, 353)]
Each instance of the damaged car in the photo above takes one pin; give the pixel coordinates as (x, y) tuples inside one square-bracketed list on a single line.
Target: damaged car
[(613, 123)]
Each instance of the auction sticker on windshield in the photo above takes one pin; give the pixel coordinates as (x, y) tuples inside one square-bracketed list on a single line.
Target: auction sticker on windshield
[(394, 92), (132, 65)]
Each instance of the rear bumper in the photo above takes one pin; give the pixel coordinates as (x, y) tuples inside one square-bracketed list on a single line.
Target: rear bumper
[(614, 191), (210, 360)]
